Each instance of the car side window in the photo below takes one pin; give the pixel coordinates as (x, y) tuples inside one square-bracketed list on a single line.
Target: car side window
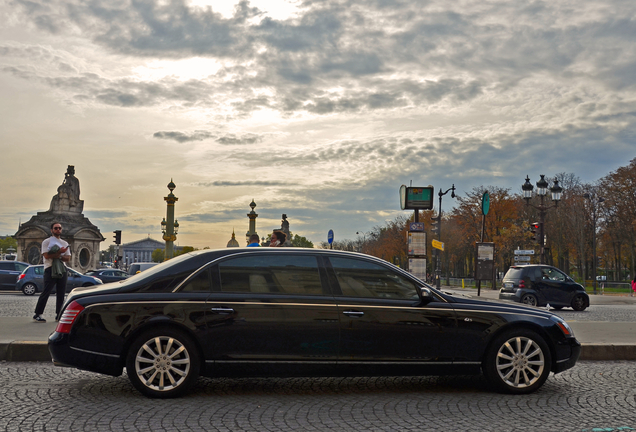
[(277, 274), (358, 278), (199, 283), (38, 270), (553, 274), (6, 266)]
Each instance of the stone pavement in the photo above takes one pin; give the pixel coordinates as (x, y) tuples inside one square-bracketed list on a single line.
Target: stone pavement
[(21, 339)]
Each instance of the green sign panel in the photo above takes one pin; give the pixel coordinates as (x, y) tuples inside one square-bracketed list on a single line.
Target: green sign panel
[(485, 203)]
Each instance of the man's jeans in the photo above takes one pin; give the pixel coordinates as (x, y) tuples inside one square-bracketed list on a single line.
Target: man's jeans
[(49, 284)]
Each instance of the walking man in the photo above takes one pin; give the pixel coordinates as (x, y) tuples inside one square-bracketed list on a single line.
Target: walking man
[(55, 252)]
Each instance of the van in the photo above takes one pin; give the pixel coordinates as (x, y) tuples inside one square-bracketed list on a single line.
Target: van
[(139, 267)]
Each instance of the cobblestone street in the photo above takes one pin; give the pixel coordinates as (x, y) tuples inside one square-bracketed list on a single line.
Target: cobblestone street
[(593, 396)]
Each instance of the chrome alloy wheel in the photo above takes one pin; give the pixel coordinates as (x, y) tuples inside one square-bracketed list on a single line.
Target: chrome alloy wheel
[(520, 362), (162, 363)]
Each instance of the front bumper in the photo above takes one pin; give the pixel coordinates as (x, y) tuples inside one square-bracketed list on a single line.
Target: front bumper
[(564, 363)]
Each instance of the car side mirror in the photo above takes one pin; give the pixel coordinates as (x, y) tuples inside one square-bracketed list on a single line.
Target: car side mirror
[(427, 295)]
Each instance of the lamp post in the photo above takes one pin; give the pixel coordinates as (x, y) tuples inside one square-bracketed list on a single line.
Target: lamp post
[(170, 226), (438, 261), (593, 202), (542, 190)]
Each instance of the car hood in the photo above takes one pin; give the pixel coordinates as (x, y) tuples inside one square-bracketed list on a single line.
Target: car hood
[(459, 299)]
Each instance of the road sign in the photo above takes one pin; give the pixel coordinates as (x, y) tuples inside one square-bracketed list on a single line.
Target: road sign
[(438, 245), (330, 236), (522, 258), (416, 226), (524, 252)]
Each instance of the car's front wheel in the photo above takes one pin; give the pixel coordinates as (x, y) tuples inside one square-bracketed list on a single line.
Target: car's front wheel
[(529, 299), (163, 363), (517, 361), (29, 289), (579, 303)]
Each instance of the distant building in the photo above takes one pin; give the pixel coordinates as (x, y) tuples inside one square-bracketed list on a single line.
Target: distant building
[(233, 242), (141, 250)]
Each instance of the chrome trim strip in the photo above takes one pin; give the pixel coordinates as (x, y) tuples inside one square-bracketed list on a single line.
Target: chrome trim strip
[(94, 352), (339, 362), (424, 308)]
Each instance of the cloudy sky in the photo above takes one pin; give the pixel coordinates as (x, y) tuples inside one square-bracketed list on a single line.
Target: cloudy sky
[(317, 109)]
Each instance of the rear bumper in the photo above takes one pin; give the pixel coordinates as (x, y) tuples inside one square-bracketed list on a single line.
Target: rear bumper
[(64, 355)]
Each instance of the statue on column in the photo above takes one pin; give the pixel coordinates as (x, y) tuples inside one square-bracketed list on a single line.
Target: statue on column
[(67, 198)]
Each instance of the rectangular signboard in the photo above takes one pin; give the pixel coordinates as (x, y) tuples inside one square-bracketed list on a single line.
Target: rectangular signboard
[(522, 258), (419, 198), (416, 243), (524, 252), (417, 267)]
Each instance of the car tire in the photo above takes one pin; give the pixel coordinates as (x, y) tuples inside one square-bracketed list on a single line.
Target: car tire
[(529, 299), (579, 303), (517, 361), (163, 363), (29, 289)]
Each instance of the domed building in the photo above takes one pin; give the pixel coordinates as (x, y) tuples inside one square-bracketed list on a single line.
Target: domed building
[(233, 242)]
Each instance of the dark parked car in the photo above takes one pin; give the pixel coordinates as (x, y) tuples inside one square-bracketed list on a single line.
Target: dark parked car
[(300, 312), (9, 271), (108, 275), (32, 280), (540, 285)]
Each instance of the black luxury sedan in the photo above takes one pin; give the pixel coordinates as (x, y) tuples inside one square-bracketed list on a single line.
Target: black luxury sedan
[(285, 312), (541, 285)]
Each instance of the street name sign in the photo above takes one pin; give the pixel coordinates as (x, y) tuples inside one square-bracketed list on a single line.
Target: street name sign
[(522, 258), (438, 245), (524, 252)]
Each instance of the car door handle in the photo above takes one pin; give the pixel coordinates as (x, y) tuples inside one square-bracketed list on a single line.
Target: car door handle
[(353, 314), (222, 310)]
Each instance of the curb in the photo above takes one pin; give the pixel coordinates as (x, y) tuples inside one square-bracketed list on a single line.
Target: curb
[(38, 351)]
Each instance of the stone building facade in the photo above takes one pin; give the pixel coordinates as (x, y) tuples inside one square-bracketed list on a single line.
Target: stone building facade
[(66, 208), (140, 250)]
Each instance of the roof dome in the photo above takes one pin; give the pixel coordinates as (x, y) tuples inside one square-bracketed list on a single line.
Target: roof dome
[(233, 242)]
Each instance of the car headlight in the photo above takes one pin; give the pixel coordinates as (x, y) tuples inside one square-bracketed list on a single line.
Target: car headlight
[(563, 326)]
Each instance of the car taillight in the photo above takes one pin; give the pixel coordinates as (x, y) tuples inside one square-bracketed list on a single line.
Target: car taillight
[(68, 317), (22, 276), (522, 284)]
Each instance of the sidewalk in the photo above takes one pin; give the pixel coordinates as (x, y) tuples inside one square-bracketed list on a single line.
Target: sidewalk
[(21, 339)]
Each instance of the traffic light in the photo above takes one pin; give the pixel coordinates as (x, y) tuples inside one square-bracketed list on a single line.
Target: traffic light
[(117, 237), (535, 229)]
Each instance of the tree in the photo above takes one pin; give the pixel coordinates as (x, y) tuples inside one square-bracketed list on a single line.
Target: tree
[(158, 255), (299, 241)]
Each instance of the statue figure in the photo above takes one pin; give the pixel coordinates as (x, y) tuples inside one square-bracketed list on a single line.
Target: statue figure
[(67, 198), (284, 227)]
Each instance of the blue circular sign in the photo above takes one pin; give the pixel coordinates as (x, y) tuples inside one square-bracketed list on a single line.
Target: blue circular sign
[(330, 236)]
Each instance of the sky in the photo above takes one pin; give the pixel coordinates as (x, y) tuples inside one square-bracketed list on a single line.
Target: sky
[(316, 109)]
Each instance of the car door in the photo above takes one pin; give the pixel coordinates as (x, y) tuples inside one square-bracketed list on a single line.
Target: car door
[(382, 318), (271, 308), (8, 275), (555, 287)]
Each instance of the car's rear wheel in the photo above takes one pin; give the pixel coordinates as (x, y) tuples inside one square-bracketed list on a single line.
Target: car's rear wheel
[(579, 302), (529, 299), (163, 363), (29, 289), (518, 362)]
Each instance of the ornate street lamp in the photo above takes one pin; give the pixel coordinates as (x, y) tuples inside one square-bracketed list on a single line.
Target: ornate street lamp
[(438, 261), (542, 190), (169, 226)]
